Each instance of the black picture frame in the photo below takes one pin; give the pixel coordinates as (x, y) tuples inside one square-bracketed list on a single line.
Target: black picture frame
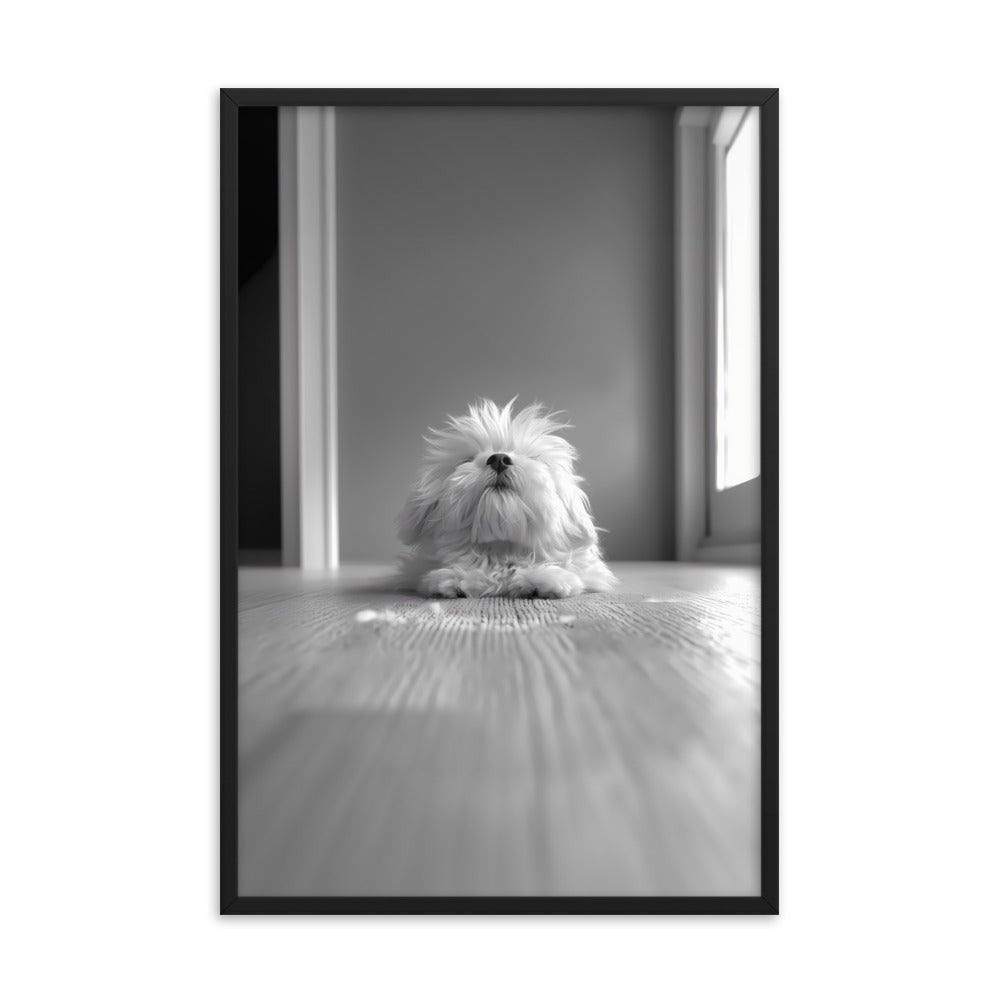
[(232, 101)]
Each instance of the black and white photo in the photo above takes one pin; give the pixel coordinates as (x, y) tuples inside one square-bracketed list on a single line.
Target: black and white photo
[(499, 516)]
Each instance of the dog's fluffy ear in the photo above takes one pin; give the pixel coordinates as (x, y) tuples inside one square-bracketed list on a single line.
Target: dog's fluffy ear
[(580, 530), (412, 519)]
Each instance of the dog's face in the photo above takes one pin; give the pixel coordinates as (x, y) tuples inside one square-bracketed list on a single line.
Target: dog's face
[(495, 481)]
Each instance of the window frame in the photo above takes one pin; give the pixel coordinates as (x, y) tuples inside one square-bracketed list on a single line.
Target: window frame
[(712, 525), (733, 516)]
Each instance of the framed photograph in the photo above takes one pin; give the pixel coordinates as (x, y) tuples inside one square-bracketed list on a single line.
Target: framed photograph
[(499, 472)]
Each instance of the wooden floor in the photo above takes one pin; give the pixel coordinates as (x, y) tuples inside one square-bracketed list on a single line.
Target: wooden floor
[(607, 744)]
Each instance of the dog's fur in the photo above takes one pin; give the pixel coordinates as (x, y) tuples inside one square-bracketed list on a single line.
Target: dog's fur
[(523, 531)]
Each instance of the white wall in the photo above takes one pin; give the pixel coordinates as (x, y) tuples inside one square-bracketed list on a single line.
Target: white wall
[(501, 252)]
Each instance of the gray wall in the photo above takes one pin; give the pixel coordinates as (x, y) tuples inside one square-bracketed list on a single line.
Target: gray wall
[(494, 252)]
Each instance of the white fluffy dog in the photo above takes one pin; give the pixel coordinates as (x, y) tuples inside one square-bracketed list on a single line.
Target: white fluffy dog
[(498, 512)]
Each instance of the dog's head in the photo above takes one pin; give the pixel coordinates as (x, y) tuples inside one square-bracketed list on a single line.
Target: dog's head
[(495, 480)]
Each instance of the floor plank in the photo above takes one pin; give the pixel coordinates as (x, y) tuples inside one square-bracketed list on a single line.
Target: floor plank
[(606, 744)]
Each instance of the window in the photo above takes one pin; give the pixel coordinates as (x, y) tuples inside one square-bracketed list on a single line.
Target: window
[(718, 302), (733, 471), (738, 323)]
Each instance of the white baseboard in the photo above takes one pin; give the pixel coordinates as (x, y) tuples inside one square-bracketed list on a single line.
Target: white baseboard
[(742, 554)]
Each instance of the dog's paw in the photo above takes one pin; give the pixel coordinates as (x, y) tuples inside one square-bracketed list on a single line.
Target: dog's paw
[(451, 582), (545, 581), (441, 583)]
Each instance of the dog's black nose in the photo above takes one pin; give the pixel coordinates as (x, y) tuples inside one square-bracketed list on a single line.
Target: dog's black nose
[(499, 461)]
